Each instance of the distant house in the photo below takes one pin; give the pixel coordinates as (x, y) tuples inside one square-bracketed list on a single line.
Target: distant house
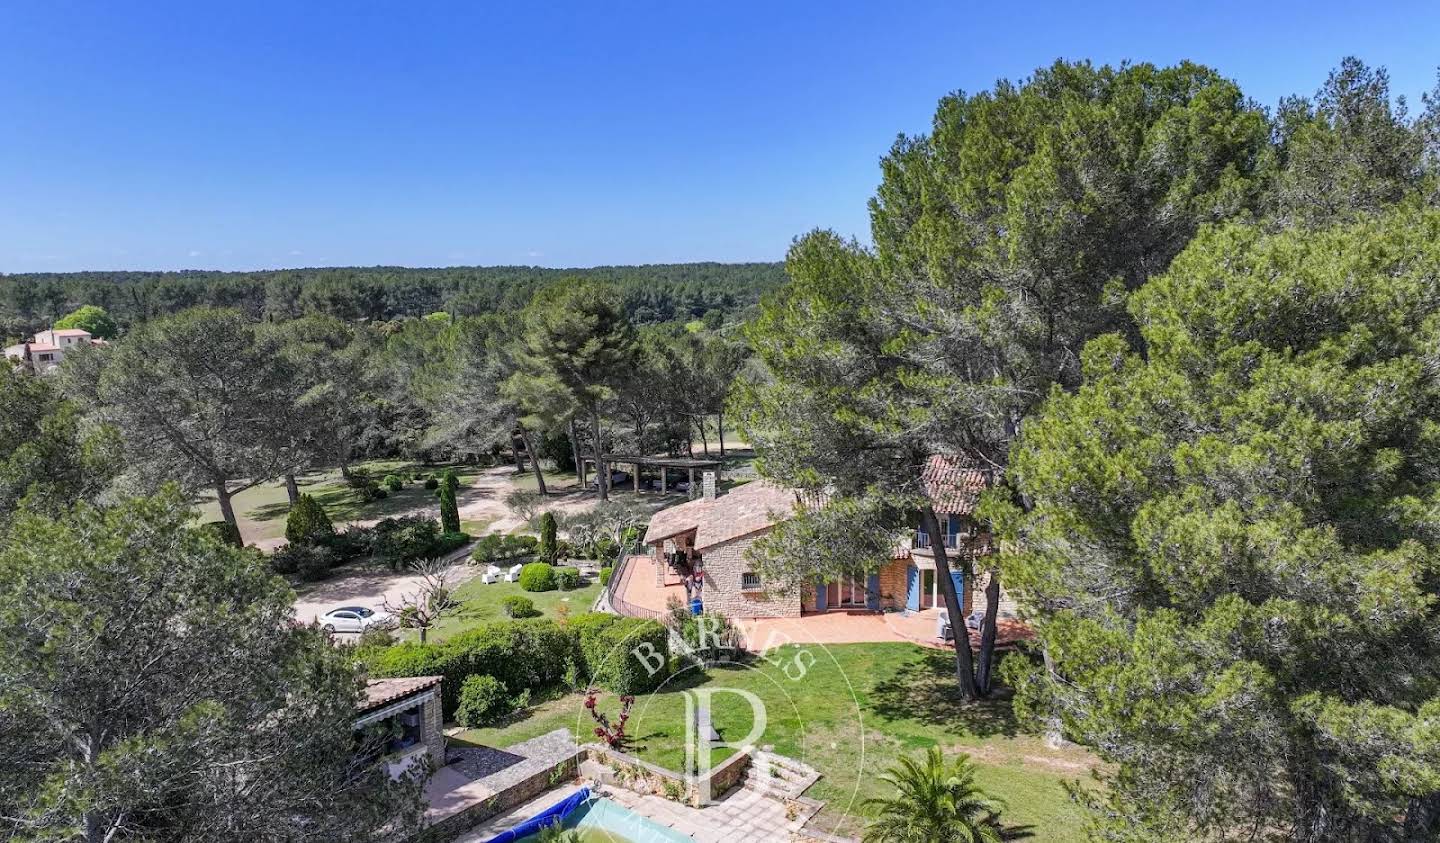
[(706, 541), (404, 715), (44, 351)]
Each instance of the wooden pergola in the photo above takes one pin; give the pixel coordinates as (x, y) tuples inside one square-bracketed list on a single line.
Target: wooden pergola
[(638, 463)]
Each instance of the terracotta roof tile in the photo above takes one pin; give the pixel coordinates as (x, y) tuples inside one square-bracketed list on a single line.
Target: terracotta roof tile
[(743, 510), (954, 483), (380, 692)]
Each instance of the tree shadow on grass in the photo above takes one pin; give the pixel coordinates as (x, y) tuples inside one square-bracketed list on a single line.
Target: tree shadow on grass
[(923, 689)]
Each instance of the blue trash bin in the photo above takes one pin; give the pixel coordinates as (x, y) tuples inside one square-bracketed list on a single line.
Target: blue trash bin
[(695, 606)]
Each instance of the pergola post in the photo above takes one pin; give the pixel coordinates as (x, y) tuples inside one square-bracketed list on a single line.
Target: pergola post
[(691, 490), (636, 480), (663, 485)]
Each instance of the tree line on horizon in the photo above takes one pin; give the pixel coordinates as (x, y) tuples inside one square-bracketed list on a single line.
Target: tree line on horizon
[(650, 294)]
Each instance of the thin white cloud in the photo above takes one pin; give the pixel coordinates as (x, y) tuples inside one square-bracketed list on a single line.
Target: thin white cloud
[(195, 253)]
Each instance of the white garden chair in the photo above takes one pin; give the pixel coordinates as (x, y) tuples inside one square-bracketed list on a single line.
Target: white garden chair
[(492, 575), (514, 574)]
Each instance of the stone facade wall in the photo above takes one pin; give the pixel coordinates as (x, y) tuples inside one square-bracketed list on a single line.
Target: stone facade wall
[(894, 582), (432, 730), (724, 563)]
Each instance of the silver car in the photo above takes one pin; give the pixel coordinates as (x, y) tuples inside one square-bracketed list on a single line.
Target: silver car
[(354, 619)]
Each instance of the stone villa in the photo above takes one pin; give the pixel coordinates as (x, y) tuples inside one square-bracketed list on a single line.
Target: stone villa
[(707, 540)]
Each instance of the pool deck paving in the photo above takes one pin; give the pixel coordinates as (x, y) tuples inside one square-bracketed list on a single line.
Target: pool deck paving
[(742, 815)]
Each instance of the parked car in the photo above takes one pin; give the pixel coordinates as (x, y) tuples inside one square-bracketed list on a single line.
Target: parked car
[(355, 619), (617, 478)]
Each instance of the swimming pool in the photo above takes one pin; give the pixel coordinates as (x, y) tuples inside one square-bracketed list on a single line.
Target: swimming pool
[(601, 821), (598, 820)]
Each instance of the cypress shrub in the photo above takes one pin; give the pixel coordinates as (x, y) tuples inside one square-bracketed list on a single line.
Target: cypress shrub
[(308, 522), (548, 547), (449, 510)]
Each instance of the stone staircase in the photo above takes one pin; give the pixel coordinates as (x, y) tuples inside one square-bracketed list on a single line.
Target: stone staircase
[(778, 776)]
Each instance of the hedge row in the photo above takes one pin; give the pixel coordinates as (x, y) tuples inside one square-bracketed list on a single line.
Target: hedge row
[(538, 654)]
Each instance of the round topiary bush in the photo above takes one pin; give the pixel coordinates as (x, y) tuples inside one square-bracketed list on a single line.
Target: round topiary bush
[(431, 483), (537, 576), (516, 606), (567, 579), (393, 482), (483, 699)]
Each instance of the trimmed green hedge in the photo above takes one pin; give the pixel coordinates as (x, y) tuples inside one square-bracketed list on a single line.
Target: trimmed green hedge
[(536, 654), (624, 655), (521, 654)]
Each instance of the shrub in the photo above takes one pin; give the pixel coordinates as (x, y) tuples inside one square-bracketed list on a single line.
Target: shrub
[(519, 606), (537, 576), (365, 486), (500, 548), (351, 543), (308, 523), (566, 579), (393, 482), (449, 510), (406, 539), (431, 483), (624, 655), (524, 502), (376, 637), (224, 531), (483, 699), (605, 575), (309, 562), (450, 542)]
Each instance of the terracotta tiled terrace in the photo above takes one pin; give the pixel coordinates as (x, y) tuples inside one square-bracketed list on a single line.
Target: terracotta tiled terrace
[(638, 590)]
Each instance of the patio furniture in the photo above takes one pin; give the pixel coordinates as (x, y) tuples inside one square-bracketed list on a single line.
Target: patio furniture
[(492, 574), (943, 631), (514, 574)]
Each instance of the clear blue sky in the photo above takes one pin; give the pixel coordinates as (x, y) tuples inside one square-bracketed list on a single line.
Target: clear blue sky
[(156, 135)]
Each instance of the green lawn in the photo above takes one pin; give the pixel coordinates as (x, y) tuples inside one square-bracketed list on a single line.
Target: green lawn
[(261, 510), (480, 603), (897, 696)]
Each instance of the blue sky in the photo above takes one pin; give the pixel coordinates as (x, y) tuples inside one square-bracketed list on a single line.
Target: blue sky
[(260, 134)]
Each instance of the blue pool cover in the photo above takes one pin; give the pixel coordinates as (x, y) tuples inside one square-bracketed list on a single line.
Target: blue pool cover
[(554, 814)]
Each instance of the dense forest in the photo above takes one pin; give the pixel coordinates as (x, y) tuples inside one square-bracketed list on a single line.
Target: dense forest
[(652, 293)]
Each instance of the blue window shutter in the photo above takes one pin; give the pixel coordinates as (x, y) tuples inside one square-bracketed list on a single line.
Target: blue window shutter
[(820, 595), (872, 592), (912, 588), (958, 577)]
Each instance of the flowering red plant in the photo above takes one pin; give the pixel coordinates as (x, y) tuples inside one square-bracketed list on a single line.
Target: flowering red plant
[(612, 734)]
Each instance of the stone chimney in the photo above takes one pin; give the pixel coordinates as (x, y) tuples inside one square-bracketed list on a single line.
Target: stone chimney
[(708, 484)]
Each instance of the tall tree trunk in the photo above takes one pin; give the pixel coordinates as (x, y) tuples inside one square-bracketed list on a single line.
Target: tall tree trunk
[(342, 456), (534, 463), (987, 634), (292, 490), (227, 512), (964, 660), (575, 454), (720, 430), (1422, 820), (704, 434), (515, 454), (602, 473), (689, 438)]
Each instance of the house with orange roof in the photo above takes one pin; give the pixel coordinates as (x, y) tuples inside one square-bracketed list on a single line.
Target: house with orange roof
[(703, 544), (43, 352)]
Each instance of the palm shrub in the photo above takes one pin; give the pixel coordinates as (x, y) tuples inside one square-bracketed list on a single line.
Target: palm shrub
[(449, 510), (393, 482), (548, 546), (934, 802), (567, 579), (308, 523)]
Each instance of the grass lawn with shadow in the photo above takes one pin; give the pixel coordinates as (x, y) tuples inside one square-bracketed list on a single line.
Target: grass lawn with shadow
[(481, 603), (849, 711), (262, 509)]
